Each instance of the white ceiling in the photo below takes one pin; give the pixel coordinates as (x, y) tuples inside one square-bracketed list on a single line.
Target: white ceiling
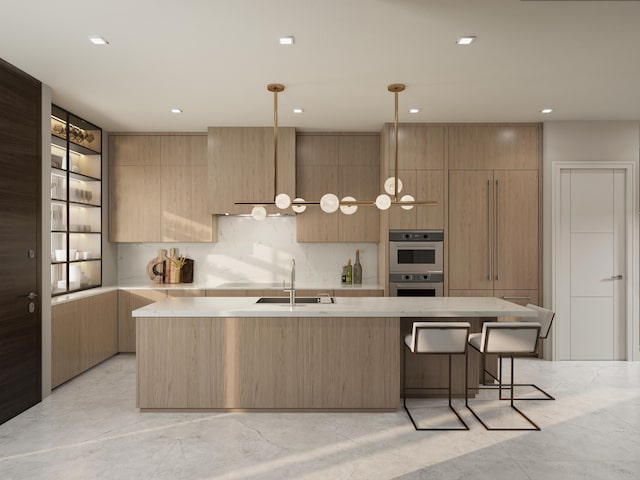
[(214, 59)]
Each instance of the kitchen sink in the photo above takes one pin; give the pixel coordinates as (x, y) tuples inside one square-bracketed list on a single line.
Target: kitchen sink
[(299, 300)]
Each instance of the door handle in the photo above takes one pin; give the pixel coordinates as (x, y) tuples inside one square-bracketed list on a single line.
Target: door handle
[(30, 295), (616, 277), (489, 236), (497, 222)]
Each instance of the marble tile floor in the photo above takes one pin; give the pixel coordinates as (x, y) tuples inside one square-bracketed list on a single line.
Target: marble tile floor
[(89, 428)]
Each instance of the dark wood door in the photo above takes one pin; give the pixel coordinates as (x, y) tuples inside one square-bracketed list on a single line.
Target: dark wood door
[(20, 180)]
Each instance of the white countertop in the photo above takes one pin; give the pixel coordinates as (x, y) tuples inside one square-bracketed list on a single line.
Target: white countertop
[(343, 307)]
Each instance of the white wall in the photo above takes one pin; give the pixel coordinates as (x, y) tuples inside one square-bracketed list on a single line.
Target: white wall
[(617, 141), (252, 251)]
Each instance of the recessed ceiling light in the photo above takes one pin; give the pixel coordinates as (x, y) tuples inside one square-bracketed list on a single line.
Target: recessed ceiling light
[(467, 40), (414, 110), (298, 110), (546, 110), (176, 110), (286, 40), (98, 41)]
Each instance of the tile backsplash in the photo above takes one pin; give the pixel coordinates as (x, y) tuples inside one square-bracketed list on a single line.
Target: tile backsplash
[(251, 251)]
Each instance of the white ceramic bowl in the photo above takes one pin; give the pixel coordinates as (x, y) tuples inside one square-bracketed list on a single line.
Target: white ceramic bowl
[(61, 255)]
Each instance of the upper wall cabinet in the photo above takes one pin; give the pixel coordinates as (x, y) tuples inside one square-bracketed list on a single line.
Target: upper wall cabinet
[(240, 167), (158, 189), (346, 165), (421, 170), (491, 147)]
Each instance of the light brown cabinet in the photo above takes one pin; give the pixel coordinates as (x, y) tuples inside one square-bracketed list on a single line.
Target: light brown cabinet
[(494, 147), (128, 301), (240, 167), (421, 156), (346, 165), (84, 332), (493, 230), (158, 189)]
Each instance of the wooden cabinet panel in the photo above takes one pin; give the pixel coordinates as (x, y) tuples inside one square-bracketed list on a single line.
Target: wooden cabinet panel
[(420, 147), (134, 150), (183, 150), (314, 225), (346, 165), (360, 182), (318, 150), (225, 293), (493, 229), (240, 167), (185, 217), (471, 293), (516, 225), (134, 203), (358, 150), (129, 301), (399, 218), (357, 292), (494, 147), (103, 327), (83, 333), (470, 229), (68, 335), (158, 189), (430, 186)]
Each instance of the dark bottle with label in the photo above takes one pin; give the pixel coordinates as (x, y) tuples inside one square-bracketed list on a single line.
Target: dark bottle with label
[(343, 278), (357, 270)]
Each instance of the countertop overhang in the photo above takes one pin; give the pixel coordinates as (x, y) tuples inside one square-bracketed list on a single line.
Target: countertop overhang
[(343, 307)]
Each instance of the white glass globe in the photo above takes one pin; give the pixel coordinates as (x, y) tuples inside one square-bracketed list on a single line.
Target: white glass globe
[(329, 203), (407, 198), (283, 201), (389, 185), (259, 213), (383, 202), (298, 208), (348, 209)]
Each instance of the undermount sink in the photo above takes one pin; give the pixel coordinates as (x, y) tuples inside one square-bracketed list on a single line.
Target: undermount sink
[(299, 300)]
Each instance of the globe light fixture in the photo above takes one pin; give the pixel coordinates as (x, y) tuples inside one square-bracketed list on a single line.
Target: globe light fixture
[(348, 209)]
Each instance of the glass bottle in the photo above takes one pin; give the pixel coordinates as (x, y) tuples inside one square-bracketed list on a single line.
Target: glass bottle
[(357, 270), (349, 272)]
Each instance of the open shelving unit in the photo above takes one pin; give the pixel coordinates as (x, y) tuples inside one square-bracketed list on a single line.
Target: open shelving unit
[(76, 203)]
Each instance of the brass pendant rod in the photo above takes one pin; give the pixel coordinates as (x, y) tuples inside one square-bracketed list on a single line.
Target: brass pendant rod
[(275, 144), (395, 148)]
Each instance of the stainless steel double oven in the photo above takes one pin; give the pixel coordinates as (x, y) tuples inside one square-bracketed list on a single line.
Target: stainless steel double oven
[(416, 263)]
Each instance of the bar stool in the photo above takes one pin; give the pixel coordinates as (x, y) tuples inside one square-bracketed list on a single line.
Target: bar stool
[(545, 319), (506, 339), (439, 338)]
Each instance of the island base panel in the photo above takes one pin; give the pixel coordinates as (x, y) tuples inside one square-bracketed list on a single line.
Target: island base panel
[(314, 363)]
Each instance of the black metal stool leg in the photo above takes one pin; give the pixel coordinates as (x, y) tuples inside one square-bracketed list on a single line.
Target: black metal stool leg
[(404, 397)]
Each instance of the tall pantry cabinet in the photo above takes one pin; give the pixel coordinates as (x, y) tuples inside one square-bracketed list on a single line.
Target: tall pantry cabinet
[(493, 234)]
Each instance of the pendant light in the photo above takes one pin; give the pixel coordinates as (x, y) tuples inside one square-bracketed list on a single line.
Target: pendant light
[(329, 202)]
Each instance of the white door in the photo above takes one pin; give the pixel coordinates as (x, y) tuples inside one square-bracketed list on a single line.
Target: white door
[(591, 259)]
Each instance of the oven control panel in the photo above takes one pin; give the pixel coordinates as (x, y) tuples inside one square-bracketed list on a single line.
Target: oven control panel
[(416, 235), (416, 277)]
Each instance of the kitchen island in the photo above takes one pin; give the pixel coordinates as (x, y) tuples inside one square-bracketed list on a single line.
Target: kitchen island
[(230, 353)]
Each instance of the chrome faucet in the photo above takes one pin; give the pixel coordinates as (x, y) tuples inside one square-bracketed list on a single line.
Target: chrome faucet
[(292, 287)]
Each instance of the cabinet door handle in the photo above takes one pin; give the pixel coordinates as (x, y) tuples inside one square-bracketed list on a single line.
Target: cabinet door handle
[(616, 277), (489, 239), (516, 297), (497, 221)]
